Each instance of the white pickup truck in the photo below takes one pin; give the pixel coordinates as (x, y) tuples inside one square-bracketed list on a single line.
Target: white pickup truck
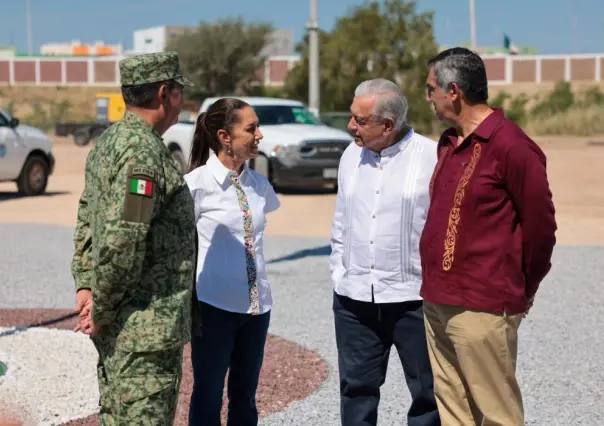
[(25, 156), (297, 149)]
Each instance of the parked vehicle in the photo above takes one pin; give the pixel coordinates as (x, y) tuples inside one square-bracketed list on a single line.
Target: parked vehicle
[(297, 149), (25, 156), (110, 108)]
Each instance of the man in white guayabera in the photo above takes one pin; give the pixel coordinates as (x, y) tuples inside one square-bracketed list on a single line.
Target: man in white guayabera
[(383, 198)]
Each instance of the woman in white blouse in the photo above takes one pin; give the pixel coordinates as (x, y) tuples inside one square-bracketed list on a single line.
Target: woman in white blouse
[(231, 203)]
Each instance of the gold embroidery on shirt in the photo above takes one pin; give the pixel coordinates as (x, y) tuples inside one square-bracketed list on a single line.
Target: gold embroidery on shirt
[(438, 167), (454, 216)]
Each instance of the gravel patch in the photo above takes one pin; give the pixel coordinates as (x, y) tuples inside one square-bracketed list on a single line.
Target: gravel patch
[(51, 389), (560, 342), (288, 374), (64, 383)]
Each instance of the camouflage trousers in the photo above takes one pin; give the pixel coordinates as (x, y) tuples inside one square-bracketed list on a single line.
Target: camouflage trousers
[(138, 388)]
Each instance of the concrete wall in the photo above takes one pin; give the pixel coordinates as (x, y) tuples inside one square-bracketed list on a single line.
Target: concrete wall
[(544, 68), (100, 71), (501, 70)]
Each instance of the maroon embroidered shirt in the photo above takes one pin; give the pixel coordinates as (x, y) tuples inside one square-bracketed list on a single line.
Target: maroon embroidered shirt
[(490, 229)]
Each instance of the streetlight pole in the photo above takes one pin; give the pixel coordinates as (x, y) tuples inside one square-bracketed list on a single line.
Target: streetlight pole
[(30, 46), (472, 25), (313, 62)]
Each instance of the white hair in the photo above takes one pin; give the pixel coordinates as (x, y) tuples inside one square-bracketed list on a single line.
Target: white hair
[(391, 102)]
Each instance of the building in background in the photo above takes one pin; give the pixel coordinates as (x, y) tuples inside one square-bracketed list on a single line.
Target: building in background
[(8, 51), (153, 40), (280, 43), (156, 39), (76, 48), (279, 50)]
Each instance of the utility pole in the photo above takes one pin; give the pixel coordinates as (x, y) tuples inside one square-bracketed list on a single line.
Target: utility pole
[(30, 46), (313, 63), (472, 25)]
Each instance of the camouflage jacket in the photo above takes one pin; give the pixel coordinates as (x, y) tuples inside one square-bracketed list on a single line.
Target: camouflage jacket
[(135, 239)]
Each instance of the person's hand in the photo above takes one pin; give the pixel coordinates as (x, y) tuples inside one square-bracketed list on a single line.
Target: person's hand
[(83, 298), (91, 329), (87, 324), (83, 308), (529, 305)]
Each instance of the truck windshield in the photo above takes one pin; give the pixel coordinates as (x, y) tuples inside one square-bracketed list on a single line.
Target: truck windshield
[(284, 114), (4, 119), (269, 115)]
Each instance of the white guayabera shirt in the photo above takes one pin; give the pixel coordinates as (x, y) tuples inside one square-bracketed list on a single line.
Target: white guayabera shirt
[(381, 208)]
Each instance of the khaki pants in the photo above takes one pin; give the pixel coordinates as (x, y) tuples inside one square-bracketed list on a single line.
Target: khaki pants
[(473, 357)]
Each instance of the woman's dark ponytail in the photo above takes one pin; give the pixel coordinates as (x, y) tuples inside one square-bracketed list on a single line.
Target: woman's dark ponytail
[(222, 114), (202, 142)]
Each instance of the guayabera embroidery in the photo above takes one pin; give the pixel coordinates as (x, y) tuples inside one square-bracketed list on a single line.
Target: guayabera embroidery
[(454, 216)]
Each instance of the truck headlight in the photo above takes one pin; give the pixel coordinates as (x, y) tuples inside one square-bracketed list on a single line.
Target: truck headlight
[(286, 154)]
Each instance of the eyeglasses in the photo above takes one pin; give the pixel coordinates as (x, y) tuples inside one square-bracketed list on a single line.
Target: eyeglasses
[(372, 119)]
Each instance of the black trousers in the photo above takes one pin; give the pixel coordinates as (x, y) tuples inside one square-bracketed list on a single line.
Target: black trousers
[(233, 342), (365, 332)]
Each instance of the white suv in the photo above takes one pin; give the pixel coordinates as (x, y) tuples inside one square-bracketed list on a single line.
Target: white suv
[(25, 156), (297, 149)]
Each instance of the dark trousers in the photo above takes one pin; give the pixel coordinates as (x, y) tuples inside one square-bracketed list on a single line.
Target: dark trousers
[(233, 342), (365, 332)]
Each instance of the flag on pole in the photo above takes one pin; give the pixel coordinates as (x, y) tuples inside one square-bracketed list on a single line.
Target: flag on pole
[(509, 45), (141, 187)]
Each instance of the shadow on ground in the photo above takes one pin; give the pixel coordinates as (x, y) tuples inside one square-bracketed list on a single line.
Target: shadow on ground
[(306, 191), (8, 196), (315, 251), (46, 319)]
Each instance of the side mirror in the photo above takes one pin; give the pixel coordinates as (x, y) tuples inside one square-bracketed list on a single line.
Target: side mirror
[(14, 122)]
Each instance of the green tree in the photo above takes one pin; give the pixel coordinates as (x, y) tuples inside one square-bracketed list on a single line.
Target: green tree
[(387, 39), (560, 99), (222, 58), (296, 83), (516, 111)]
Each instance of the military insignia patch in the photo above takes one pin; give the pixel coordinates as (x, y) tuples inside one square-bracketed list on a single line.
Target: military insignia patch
[(141, 187), (140, 194), (142, 171)]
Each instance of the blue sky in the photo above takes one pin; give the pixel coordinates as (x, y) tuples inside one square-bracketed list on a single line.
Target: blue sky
[(553, 26)]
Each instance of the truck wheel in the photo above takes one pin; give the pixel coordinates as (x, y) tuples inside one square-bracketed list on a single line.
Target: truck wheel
[(34, 176), (81, 137), (95, 134), (180, 159)]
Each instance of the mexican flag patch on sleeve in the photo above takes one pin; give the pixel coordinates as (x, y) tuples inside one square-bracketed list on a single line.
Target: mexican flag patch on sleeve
[(141, 187)]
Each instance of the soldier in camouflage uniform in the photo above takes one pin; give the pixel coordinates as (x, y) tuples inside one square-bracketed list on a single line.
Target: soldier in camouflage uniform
[(135, 250)]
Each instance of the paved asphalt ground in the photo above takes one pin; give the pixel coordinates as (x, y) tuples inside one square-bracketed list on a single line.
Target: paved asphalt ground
[(561, 342)]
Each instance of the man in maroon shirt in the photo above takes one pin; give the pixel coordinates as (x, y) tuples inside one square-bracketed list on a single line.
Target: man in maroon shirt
[(486, 246)]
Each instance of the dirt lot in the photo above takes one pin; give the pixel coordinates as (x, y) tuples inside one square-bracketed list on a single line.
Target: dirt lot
[(82, 99), (575, 171), (303, 215)]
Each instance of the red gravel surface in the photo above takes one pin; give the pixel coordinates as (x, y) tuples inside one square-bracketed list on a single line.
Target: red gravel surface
[(289, 373)]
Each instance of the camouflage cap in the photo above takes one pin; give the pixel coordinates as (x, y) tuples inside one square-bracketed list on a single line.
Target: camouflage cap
[(151, 68)]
